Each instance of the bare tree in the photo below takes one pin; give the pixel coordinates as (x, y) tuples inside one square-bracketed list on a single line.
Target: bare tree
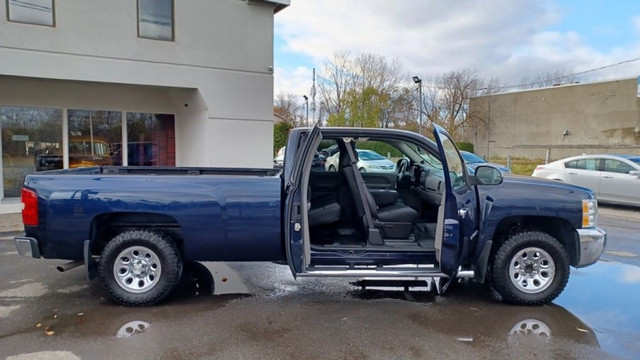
[(334, 80), (288, 107), (366, 79), (550, 78)]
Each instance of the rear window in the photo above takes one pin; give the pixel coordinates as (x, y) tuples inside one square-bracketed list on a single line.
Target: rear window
[(584, 164)]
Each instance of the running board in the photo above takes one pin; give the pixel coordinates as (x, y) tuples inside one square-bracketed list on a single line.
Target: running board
[(382, 272)]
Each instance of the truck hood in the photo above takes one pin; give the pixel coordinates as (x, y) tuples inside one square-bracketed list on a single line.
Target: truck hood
[(527, 196), (544, 185)]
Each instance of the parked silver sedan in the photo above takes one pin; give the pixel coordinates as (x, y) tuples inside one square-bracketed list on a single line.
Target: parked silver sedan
[(614, 178)]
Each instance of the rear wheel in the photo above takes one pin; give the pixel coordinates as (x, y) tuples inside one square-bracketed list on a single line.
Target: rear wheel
[(140, 267), (332, 168), (530, 268)]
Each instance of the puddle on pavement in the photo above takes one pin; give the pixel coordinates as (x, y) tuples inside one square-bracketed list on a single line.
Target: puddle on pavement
[(606, 296), (597, 308), (194, 294)]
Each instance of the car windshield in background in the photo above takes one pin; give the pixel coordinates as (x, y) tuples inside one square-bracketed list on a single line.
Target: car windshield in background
[(369, 155), (471, 157), (635, 160)]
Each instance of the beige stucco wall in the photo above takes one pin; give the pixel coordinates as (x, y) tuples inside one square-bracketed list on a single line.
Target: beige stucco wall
[(220, 64), (573, 119)]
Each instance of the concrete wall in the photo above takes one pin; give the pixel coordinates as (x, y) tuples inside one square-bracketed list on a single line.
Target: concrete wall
[(220, 65), (569, 120)]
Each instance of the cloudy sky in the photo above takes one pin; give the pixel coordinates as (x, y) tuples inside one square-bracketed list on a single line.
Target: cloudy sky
[(509, 39)]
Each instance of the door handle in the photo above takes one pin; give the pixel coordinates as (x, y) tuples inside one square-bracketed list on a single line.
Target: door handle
[(462, 213), (607, 177), (572, 173)]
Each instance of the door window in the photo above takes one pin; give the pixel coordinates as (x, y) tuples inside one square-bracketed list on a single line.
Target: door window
[(583, 164), (455, 163), (616, 166)]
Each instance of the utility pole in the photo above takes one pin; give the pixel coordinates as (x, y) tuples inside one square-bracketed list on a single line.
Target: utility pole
[(313, 97), (418, 81), (306, 101)]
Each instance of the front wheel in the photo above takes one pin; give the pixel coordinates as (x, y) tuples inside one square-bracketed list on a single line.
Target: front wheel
[(140, 267), (530, 268)]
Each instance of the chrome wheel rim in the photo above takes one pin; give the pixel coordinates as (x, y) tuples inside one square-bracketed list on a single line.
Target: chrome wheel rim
[(137, 269), (532, 270), (531, 327)]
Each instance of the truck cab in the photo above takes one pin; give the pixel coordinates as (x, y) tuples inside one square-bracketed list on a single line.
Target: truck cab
[(425, 220)]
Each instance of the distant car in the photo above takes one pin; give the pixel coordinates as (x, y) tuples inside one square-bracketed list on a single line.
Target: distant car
[(368, 161), (329, 152), (318, 160), (614, 178), (473, 161), (279, 159)]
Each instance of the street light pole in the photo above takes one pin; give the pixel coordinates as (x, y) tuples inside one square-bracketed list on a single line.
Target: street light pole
[(418, 81), (306, 100)]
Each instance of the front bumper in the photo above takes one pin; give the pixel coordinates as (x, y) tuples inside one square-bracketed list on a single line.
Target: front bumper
[(27, 246), (592, 244)]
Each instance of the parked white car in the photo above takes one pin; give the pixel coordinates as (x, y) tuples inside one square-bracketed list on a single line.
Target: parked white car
[(368, 161), (279, 159), (614, 178)]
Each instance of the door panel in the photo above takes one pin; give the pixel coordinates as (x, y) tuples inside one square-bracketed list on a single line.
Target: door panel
[(586, 173), (458, 221), (616, 184), (380, 180), (296, 230)]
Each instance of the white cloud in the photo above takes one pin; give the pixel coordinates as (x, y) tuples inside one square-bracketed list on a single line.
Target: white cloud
[(505, 38), (295, 81), (636, 24)]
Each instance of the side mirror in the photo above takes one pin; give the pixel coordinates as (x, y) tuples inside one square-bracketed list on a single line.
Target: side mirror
[(488, 175), (634, 172)]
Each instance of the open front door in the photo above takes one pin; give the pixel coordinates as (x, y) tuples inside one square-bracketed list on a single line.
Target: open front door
[(296, 229), (458, 210)]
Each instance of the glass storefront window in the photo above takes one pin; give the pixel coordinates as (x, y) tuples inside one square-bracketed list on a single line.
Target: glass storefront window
[(31, 141), (150, 139), (92, 135)]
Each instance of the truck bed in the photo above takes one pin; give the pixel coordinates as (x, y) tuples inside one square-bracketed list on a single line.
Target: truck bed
[(217, 211), (166, 170)]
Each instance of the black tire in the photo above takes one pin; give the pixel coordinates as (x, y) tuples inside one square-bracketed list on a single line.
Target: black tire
[(362, 169), (332, 168), (149, 263), (529, 281)]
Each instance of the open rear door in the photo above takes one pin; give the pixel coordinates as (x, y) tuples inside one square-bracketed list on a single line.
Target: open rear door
[(457, 213), (296, 229)]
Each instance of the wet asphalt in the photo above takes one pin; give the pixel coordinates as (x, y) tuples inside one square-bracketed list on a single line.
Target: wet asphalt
[(258, 311)]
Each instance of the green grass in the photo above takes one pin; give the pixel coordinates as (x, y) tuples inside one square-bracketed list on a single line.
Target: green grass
[(519, 166)]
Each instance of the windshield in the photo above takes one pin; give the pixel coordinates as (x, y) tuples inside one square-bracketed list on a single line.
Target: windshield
[(635, 160), (369, 155), (471, 157)]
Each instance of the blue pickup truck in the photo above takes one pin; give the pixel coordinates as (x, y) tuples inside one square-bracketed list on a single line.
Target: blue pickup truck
[(136, 227)]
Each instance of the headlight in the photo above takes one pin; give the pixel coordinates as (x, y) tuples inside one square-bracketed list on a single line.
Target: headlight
[(589, 213)]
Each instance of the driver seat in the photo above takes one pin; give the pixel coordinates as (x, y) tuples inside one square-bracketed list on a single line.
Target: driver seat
[(395, 220)]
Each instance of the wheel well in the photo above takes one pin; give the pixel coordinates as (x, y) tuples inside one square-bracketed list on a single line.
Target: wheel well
[(106, 226), (560, 229)]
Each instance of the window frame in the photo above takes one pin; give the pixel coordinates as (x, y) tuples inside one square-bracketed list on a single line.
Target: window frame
[(605, 169), (53, 15), (173, 22)]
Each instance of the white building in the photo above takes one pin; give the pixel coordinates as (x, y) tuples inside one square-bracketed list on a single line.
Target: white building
[(134, 82)]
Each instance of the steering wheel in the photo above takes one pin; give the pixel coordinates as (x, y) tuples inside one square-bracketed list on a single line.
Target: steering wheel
[(401, 166)]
